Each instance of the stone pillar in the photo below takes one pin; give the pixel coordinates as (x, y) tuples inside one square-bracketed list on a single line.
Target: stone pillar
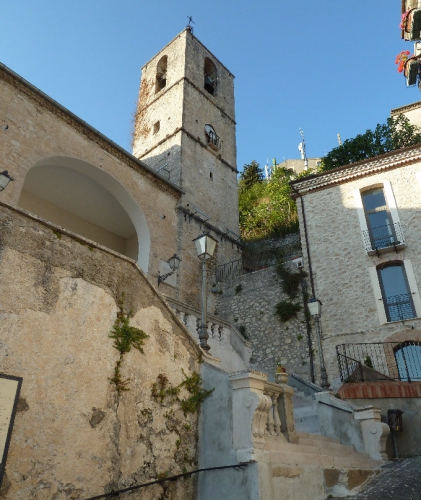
[(250, 410), (286, 412), (373, 430)]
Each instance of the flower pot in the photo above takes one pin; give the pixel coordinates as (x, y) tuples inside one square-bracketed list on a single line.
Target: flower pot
[(411, 71), (412, 25), (281, 377)]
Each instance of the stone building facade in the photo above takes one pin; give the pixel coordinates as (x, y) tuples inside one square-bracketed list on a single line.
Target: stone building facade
[(84, 225), (185, 130), (360, 231), (86, 229)]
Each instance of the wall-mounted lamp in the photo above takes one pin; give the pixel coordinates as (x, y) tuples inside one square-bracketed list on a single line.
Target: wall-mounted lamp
[(315, 309), (205, 248), (174, 263), (5, 178)]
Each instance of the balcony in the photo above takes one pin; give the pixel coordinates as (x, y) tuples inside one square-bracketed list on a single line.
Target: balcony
[(384, 239), (213, 140), (382, 361), (399, 307)]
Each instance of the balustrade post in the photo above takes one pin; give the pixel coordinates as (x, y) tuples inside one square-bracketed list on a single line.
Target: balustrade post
[(276, 417), (270, 422), (286, 412)]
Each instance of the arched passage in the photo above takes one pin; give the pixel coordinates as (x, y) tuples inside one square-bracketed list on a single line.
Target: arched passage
[(87, 201)]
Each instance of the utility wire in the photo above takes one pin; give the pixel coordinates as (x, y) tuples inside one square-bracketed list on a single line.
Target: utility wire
[(239, 466)]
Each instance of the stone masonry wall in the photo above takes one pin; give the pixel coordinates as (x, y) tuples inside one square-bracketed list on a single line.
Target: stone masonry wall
[(249, 301), (341, 266), (74, 435)]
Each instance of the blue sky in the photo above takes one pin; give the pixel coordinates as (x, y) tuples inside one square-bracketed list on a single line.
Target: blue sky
[(326, 66)]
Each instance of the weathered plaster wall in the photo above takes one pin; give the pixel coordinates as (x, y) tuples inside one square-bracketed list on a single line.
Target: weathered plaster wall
[(74, 436), (341, 265), (249, 301), (408, 441), (36, 130)]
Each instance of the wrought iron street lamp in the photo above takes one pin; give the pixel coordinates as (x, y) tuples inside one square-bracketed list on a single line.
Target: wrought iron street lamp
[(174, 263), (315, 309), (205, 248), (5, 178)]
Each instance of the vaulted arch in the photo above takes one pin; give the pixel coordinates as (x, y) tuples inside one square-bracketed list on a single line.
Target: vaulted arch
[(88, 201)]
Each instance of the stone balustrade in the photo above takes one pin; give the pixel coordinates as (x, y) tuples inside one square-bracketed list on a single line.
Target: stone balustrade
[(225, 342), (262, 411)]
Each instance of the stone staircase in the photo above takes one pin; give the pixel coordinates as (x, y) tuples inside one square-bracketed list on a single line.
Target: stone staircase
[(314, 449), (305, 413)]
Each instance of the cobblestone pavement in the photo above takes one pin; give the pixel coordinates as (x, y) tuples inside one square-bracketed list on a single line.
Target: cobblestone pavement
[(400, 480)]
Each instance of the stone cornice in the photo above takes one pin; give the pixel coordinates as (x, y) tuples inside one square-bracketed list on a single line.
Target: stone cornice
[(43, 100), (403, 109), (395, 159)]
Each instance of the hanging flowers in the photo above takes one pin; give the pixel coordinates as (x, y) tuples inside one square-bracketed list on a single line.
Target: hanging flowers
[(401, 59), (404, 20)]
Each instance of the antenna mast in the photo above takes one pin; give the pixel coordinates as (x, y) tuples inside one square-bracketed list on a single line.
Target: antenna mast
[(339, 139), (302, 150)]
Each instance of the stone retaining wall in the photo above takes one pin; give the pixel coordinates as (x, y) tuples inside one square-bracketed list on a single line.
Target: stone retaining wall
[(249, 301)]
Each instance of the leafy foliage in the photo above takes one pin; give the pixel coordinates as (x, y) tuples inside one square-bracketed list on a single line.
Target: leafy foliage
[(251, 174), (287, 310), (125, 337), (266, 207), (396, 133), (291, 281), (163, 389)]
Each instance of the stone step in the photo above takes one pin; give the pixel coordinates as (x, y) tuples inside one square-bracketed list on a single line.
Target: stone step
[(317, 437), (323, 460)]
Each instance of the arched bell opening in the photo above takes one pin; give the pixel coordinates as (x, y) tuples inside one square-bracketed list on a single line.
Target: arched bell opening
[(161, 74), (210, 76), (89, 202)]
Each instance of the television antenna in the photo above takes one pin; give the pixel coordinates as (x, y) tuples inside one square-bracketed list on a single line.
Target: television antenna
[(302, 150)]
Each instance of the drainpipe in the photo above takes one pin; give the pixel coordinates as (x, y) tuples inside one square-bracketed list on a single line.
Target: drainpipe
[(309, 342)]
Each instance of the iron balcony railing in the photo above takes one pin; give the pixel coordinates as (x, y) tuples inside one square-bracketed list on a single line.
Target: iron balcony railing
[(369, 362), (257, 261), (400, 307), (213, 138), (384, 237)]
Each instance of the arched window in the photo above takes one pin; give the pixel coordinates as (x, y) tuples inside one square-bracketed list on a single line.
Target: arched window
[(161, 74), (396, 294), (210, 76), (408, 360)]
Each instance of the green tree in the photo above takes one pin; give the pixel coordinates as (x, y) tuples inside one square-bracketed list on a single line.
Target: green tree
[(251, 174), (396, 133), (266, 207)]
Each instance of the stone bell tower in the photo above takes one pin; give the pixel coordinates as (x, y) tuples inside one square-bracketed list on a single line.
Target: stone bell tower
[(185, 130)]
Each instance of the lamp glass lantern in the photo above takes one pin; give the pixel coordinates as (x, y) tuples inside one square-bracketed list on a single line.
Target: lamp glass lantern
[(205, 246), (315, 307), (5, 178), (174, 262)]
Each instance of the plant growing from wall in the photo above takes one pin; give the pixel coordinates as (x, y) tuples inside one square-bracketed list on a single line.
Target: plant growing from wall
[(287, 310), (290, 284), (125, 338), (162, 389)]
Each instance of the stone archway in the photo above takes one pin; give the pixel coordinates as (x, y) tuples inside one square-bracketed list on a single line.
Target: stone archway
[(86, 200)]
